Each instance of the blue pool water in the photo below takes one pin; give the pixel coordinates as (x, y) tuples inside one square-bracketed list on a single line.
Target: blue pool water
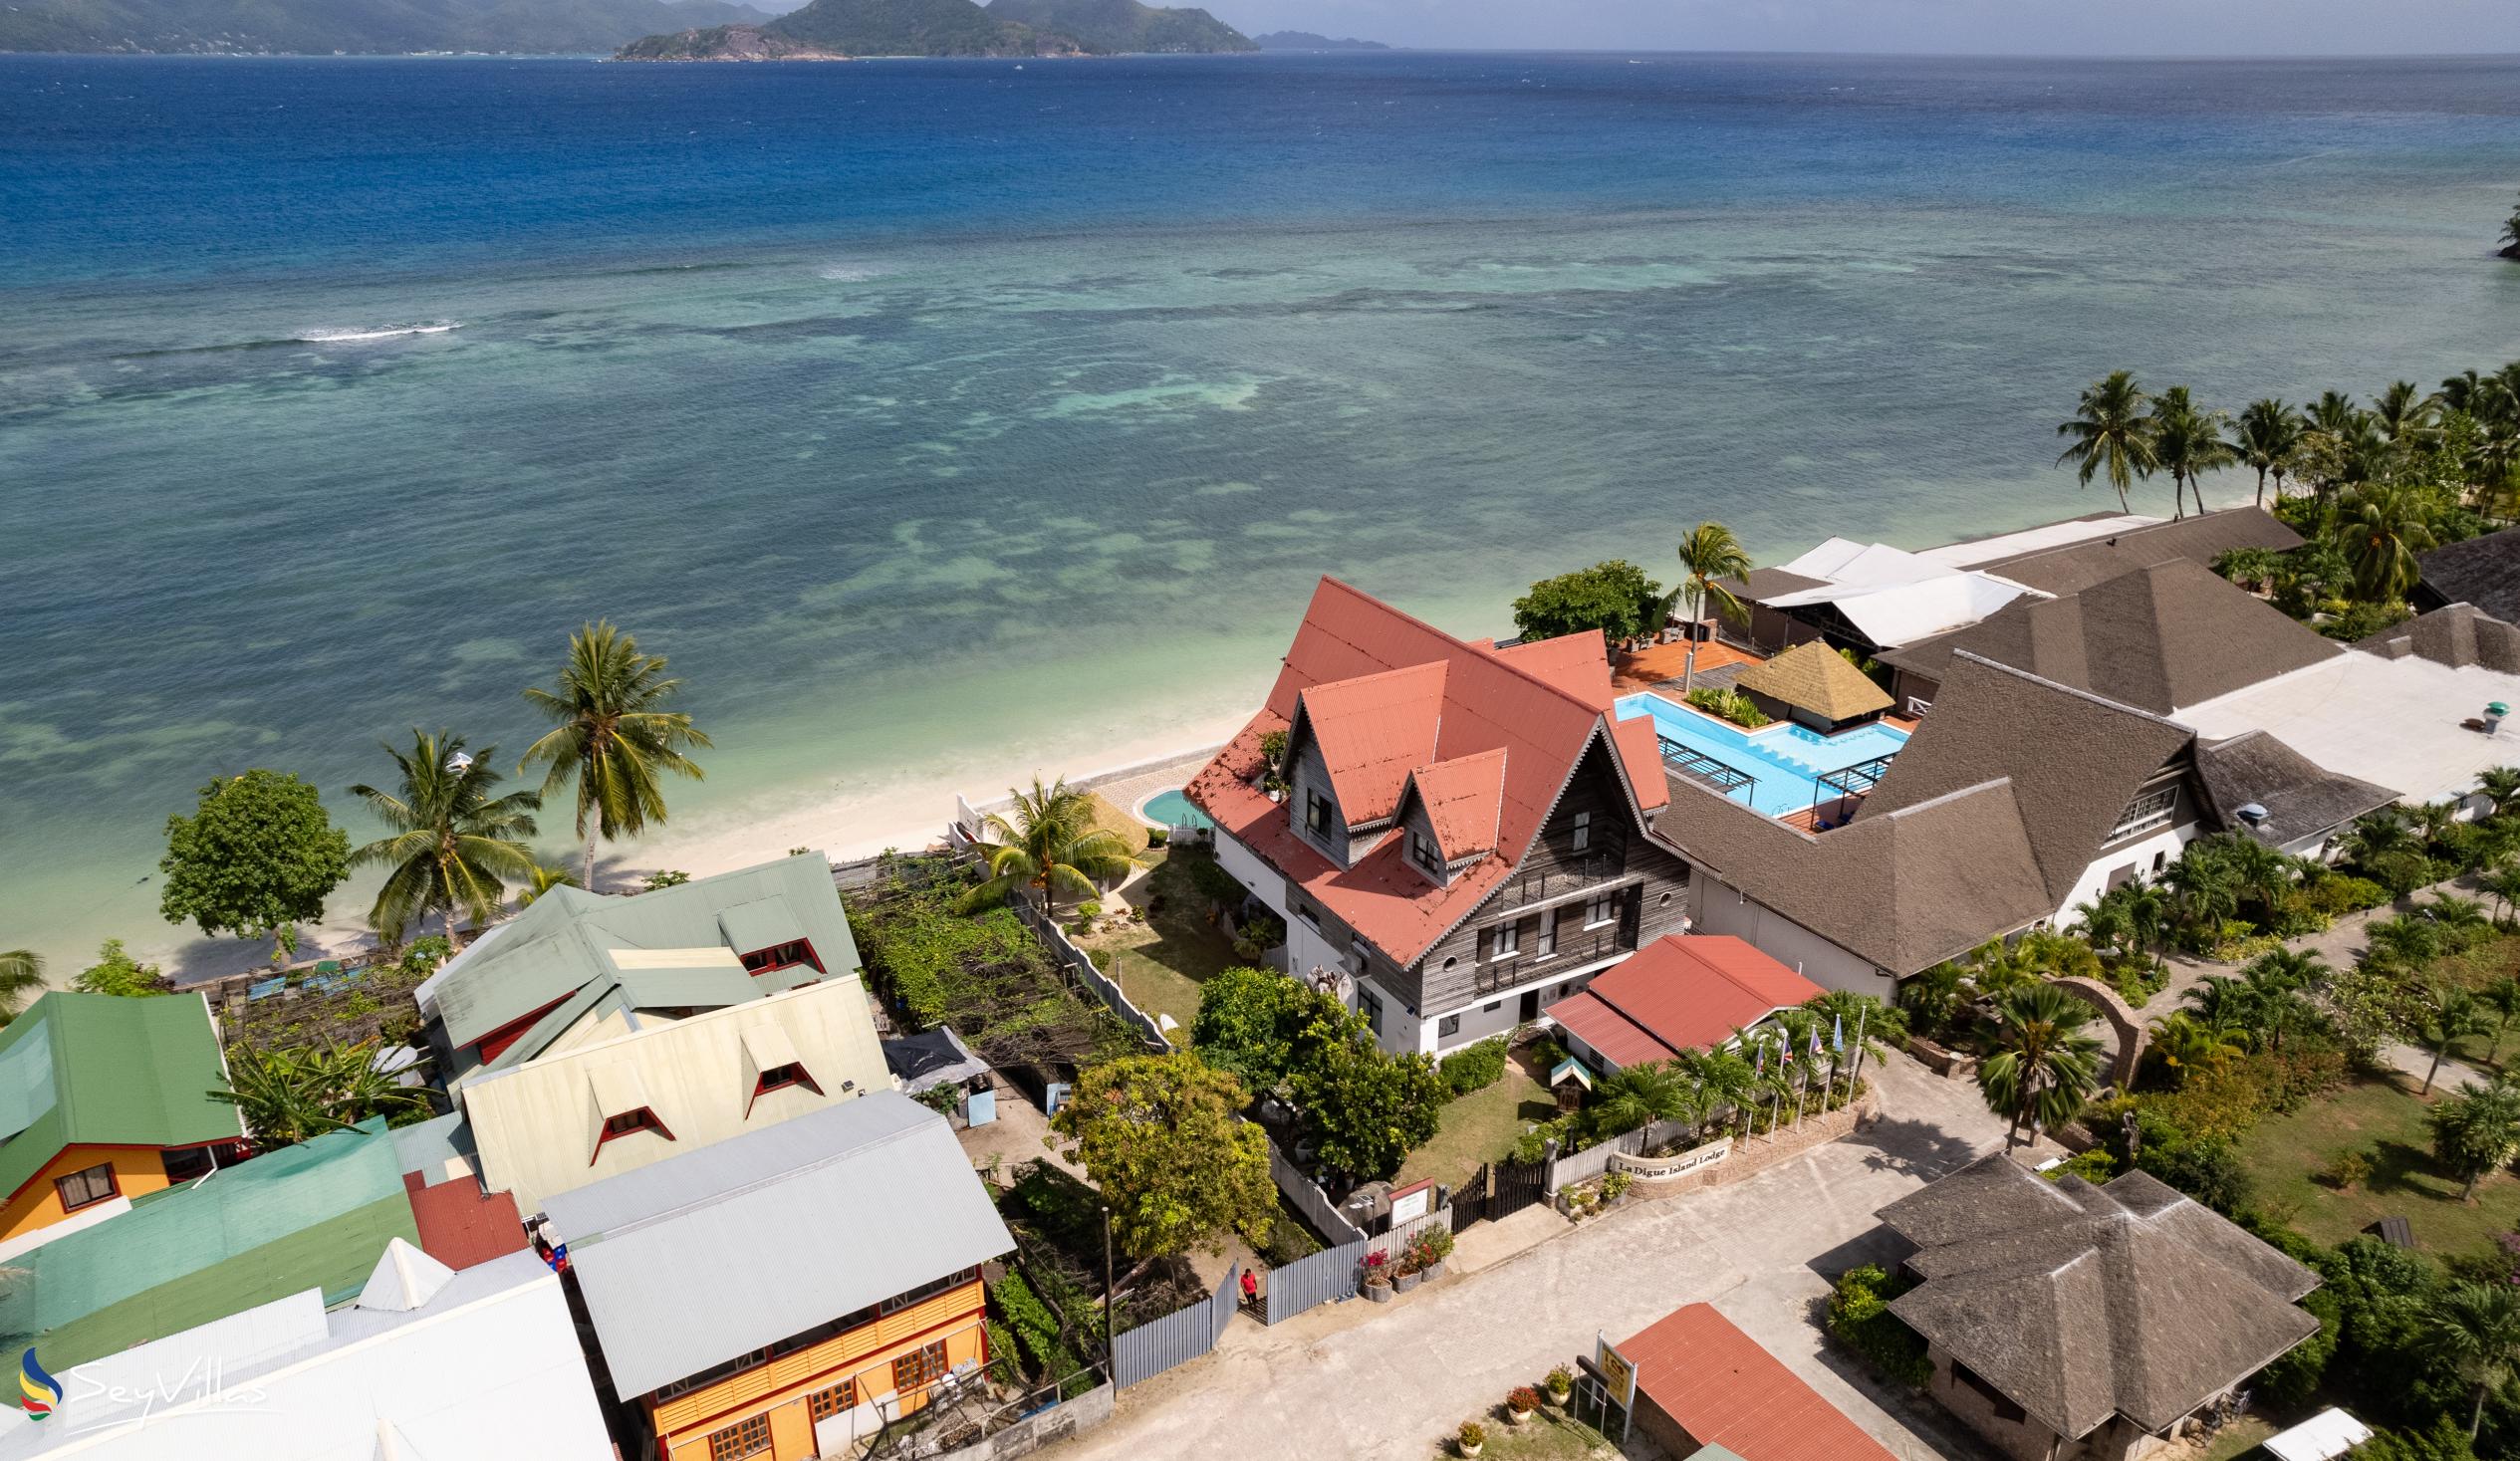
[(1782, 758), (1171, 808)]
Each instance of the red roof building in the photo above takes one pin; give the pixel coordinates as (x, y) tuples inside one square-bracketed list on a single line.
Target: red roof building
[(1461, 833), (1677, 994), (1702, 1381)]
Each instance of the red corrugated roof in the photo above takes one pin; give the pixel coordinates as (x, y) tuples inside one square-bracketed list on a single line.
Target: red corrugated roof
[(1681, 993), (1540, 704), (1464, 797), (1374, 730), (1717, 1384), (458, 1226), (1640, 752)]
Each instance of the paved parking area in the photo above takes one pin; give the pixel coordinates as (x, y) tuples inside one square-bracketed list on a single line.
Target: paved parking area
[(1357, 1380)]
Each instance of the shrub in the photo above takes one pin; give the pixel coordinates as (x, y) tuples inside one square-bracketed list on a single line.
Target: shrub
[(2346, 1170), (1215, 883), (2346, 895), (1561, 1382), (1859, 1315), (1533, 1144), (1522, 1398), (2209, 1171), (2094, 1167), (2292, 1379), (1471, 1435), (1475, 1068), (1089, 910), (1003, 1360), (1727, 704), (1431, 1246)]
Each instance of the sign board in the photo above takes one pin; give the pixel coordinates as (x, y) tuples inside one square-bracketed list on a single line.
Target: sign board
[(1618, 1374), (1409, 1203)]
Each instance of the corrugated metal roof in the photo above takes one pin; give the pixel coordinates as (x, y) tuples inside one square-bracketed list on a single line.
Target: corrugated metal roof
[(101, 1068), (763, 924), (692, 1261), (1464, 797), (1717, 1384), (1683, 993)]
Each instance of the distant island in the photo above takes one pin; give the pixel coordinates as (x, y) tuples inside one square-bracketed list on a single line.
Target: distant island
[(352, 27), (1309, 41), (835, 30)]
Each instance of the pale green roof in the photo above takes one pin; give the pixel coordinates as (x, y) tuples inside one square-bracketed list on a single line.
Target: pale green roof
[(311, 1216), (105, 1070)]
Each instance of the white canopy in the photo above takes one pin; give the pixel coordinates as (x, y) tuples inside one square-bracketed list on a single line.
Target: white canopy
[(2323, 1437)]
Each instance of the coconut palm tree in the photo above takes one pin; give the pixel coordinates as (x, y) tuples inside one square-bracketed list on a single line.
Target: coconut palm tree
[(2449, 1016), (2502, 996), (2265, 437), (2382, 529), (21, 977), (2376, 834), (2044, 1067), (453, 845), (1709, 554), (2474, 1330), (1641, 1095), (1934, 998), (2188, 443), (2187, 1044), (542, 879), (2109, 435), (2501, 786), (2403, 414), (1050, 846), (2226, 1002), (2334, 412), (2504, 885), (288, 1096), (613, 735)]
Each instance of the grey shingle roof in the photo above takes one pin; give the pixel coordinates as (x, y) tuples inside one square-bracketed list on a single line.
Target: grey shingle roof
[(2483, 572), (2159, 637), (1768, 583), (2301, 798), (696, 1260), (2071, 568), (2081, 1302), (2458, 635)]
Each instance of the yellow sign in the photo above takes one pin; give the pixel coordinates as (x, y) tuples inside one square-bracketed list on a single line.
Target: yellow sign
[(1617, 1373)]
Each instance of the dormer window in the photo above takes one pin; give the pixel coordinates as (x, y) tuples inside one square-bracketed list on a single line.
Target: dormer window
[(771, 1060), (1422, 851), (782, 956), (1316, 814), (1583, 830), (779, 1077), (622, 1110), (629, 1124)]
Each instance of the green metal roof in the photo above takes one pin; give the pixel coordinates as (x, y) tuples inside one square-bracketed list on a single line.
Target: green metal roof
[(310, 1216), (103, 1069), (556, 947)]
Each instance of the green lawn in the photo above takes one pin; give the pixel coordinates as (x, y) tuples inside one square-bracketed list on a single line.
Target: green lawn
[(1547, 1437), (1161, 963), (2240, 1438), (1480, 1127), (2384, 1121)]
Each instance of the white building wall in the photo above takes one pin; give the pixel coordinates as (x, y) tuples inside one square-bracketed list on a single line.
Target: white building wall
[(1722, 908), (1266, 882), (1307, 951), (2165, 845)]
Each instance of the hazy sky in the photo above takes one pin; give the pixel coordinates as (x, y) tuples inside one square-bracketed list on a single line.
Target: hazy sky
[(2020, 27)]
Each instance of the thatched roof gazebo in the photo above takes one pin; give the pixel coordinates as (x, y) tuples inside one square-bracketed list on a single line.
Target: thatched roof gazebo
[(1814, 684)]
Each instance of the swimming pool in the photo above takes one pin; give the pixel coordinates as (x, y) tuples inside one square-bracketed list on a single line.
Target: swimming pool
[(1782, 760), (1171, 808)]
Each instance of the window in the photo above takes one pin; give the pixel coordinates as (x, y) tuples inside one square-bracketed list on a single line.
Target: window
[(1602, 910), (626, 1124), (86, 1186), (1505, 941), (1447, 1026), (2159, 861), (184, 1166), (713, 1374), (1305, 912), (1370, 1005), (1317, 813), (1583, 830), (779, 1078), (1548, 934), (826, 1403), (2002, 1403), (2148, 809), (1491, 1007), (929, 1289), (749, 1436), (782, 956), (1422, 851), (920, 1368)]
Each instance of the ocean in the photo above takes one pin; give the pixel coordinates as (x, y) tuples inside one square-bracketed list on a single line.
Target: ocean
[(943, 420)]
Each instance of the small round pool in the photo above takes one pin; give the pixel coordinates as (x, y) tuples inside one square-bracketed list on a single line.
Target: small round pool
[(1171, 808)]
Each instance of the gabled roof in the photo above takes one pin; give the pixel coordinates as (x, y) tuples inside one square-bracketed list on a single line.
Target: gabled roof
[(1373, 730), (1735, 1398), (103, 1069), (2026, 542), (1679, 994), (1819, 680), (1464, 799), (1546, 706), (562, 948), (2159, 637), (2458, 635), (2081, 1302), (2299, 798), (868, 1198), (2071, 567), (1890, 596), (2483, 572)]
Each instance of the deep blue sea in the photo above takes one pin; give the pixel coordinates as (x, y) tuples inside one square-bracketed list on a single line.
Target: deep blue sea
[(945, 419)]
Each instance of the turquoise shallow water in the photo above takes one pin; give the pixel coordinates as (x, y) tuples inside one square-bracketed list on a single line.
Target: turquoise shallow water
[(1782, 761), (942, 417)]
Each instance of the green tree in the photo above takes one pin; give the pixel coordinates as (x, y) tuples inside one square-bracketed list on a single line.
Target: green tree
[(1050, 846), (2475, 1130), (2382, 530), (2265, 438), (1709, 555), (1367, 1110), (453, 846), (1640, 1095), (21, 978), (612, 736), (1613, 597), (257, 855), (1248, 1022), (288, 1095), (2501, 786), (2447, 1017), (2186, 444), (2474, 1330), (2403, 414), (2188, 1043), (1934, 997), (2110, 434), (116, 972), (2510, 239), (1160, 1135), (2044, 1067), (542, 878)]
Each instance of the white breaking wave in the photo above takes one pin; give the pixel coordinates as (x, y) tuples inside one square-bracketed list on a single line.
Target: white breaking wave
[(851, 273), (389, 332)]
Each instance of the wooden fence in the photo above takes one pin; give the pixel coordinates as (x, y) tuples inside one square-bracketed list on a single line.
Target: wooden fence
[(1178, 1338)]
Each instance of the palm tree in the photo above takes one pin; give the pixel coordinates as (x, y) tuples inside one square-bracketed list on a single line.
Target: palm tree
[(2225, 1001), (1050, 846), (2334, 412), (2265, 437), (2044, 1068), (2376, 834), (21, 975), (288, 1096), (2110, 433), (454, 847), (2501, 786), (2403, 414), (1641, 1095), (612, 733), (542, 879), (2502, 996), (2504, 885), (2187, 1044), (2474, 1330), (1934, 998), (2186, 444), (2450, 1016), (1709, 554), (2475, 1131), (2382, 530)]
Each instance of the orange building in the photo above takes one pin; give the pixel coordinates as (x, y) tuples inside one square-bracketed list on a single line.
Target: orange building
[(782, 1293), (103, 1100)]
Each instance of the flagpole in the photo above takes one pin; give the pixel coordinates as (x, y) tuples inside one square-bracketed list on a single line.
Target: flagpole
[(1859, 1018)]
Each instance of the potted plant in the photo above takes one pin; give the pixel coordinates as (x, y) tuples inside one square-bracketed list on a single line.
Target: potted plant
[(1472, 1438), (1520, 1402), (1377, 1277), (1405, 1274), (1428, 1250), (1561, 1384)]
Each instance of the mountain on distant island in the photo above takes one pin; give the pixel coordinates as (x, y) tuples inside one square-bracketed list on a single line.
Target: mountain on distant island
[(1309, 41), (838, 29), (355, 26)]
